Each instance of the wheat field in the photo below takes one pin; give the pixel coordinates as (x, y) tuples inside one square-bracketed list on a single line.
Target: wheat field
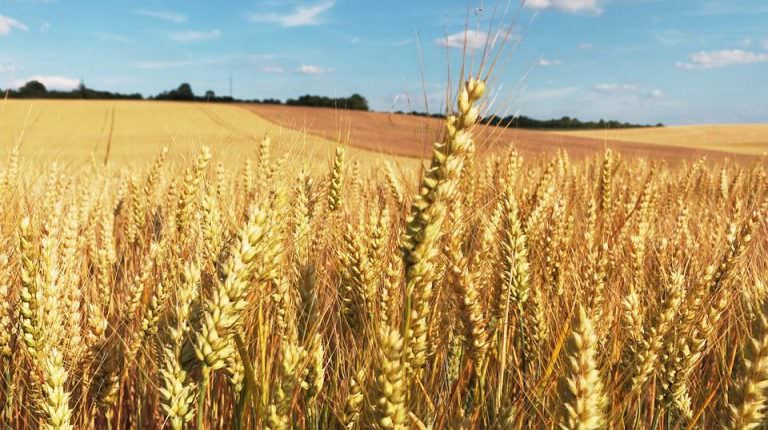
[(77, 133), (478, 292), (735, 138)]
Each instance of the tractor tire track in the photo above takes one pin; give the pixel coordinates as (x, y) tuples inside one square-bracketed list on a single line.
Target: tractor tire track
[(216, 119), (111, 133)]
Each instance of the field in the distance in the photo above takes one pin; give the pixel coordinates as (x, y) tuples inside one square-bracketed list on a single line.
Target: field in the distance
[(741, 139), (412, 136), (75, 132)]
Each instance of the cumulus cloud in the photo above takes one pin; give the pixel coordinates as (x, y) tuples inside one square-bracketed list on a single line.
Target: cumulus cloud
[(51, 82), (570, 6), (546, 62), (8, 24), (195, 36), (298, 17), (474, 39), (717, 59), (310, 69), (165, 16)]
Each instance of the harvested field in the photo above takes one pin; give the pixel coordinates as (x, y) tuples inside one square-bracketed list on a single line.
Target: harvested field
[(412, 136)]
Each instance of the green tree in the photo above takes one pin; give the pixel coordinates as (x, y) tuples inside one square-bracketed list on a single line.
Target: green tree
[(184, 92), (33, 87)]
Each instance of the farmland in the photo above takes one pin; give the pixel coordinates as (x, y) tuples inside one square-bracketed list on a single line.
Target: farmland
[(740, 139), (413, 136), (81, 132), (77, 132), (243, 282)]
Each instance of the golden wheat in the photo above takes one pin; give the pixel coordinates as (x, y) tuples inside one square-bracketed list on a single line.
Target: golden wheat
[(278, 295)]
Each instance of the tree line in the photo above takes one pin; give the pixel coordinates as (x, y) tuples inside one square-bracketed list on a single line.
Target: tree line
[(353, 102), (564, 123), (37, 90)]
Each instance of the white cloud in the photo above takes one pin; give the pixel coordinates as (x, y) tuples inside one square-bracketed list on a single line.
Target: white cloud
[(50, 82), (716, 59), (545, 62), (714, 7), (165, 16), (570, 6), (474, 39), (7, 68), (195, 36), (613, 88), (45, 27), (548, 94), (229, 59), (153, 65), (309, 69), (586, 45), (272, 69), (298, 17), (671, 37), (175, 64), (612, 100), (9, 24), (626, 91)]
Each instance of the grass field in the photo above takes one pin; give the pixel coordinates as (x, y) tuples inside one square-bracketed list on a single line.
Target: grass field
[(741, 139)]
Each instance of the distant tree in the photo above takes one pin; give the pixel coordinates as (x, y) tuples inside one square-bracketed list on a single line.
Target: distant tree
[(184, 92), (210, 95), (357, 102), (33, 87)]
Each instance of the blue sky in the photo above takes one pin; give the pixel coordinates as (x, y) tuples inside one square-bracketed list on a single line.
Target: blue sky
[(674, 61)]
